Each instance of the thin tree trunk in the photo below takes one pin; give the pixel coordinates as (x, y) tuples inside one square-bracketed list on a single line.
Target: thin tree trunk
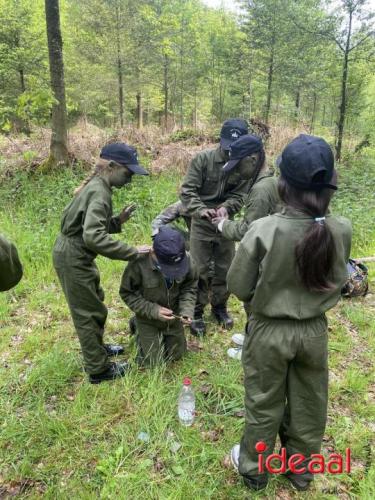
[(269, 80), (312, 123), (139, 110), (22, 80), (341, 123), (165, 90), (297, 104), (119, 68), (324, 115), (59, 136), (195, 108)]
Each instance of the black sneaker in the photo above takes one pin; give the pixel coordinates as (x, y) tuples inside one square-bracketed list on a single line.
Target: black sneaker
[(256, 482), (198, 327), (299, 482), (114, 350), (115, 370), (222, 317)]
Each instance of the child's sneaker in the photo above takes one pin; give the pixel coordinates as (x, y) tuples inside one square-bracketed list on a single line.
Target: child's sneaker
[(235, 456), (235, 353), (238, 339)]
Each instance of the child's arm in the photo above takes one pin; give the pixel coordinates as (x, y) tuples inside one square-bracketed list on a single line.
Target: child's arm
[(188, 293), (243, 273), (130, 292), (96, 236)]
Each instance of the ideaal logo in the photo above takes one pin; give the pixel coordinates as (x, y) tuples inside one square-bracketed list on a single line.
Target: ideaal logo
[(296, 463)]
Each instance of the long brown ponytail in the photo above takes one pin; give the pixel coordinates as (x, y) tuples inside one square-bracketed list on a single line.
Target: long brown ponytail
[(101, 167), (315, 253)]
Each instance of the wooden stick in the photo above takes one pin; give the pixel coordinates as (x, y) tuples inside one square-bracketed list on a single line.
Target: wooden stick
[(366, 259)]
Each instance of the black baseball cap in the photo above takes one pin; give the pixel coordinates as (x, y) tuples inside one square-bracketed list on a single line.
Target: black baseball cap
[(169, 248), (307, 163), (124, 155), (246, 145), (231, 130)]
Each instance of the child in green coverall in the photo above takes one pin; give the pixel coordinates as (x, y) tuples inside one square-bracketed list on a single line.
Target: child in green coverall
[(291, 267), (161, 289), (86, 226)]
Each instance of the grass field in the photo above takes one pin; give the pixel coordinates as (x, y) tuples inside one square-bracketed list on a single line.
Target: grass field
[(64, 438)]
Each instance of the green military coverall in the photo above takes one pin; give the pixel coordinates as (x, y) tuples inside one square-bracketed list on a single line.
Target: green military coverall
[(207, 186), (262, 200), (86, 224), (144, 289), (10, 265), (285, 350)]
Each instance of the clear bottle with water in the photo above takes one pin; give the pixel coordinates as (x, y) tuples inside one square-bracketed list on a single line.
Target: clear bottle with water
[(186, 403)]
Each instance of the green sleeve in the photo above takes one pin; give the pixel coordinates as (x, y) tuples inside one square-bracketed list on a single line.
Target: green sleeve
[(131, 293), (191, 184), (188, 293), (256, 207), (97, 238), (10, 265), (236, 198), (167, 216), (243, 273)]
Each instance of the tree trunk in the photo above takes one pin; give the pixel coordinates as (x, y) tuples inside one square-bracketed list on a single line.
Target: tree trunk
[(166, 90), (195, 113), (59, 137), (139, 110), (270, 78), (341, 122), (22, 80), (324, 115), (297, 104), (312, 123), (119, 68)]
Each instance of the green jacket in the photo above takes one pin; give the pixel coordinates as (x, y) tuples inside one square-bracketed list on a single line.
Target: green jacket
[(263, 271), (10, 265), (262, 200), (206, 185), (143, 288), (89, 219)]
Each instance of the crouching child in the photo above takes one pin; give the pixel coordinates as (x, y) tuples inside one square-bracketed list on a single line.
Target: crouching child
[(161, 289)]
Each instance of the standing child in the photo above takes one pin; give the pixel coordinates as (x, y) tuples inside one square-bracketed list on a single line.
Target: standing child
[(85, 232), (291, 267), (158, 288)]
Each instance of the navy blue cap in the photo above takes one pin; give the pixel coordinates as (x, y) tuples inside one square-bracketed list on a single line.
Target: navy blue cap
[(307, 163), (246, 145), (124, 155), (231, 130), (169, 248)]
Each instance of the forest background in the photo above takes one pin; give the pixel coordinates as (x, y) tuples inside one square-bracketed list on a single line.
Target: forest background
[(163, 75)]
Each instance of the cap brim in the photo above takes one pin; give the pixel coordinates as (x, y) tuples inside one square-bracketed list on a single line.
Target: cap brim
[(137, 169), (175, 271), (231, 164), (225, 143)]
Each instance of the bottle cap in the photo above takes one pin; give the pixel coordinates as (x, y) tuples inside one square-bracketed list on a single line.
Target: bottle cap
[(186, 381)]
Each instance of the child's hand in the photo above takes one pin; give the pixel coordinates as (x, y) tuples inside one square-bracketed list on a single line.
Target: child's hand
[(144, 249), (165, 314), (127, 212)]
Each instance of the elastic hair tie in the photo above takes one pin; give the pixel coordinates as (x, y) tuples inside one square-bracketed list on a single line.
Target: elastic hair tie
[(320, 220)]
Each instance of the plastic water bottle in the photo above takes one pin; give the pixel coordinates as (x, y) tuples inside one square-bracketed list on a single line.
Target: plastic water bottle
[(186, 403)]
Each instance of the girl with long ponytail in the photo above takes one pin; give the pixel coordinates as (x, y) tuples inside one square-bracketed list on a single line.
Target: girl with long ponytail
[(290, 267)]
